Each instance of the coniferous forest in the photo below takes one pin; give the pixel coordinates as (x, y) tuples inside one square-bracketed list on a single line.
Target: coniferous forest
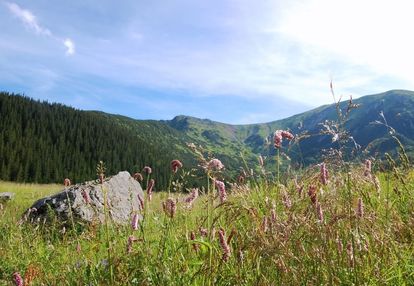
[(54, 141)]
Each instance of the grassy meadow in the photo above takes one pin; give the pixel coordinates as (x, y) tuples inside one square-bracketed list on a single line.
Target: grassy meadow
[(347, 228)]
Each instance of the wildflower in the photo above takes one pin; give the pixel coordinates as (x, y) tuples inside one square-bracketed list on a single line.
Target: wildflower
[(196, 247), (138, 177), (324, 174), (222, 191), (66, 182), (134, 222), (224, 246), (85, 196), (175, 165), (215, 164), (312, 194), (279, 135), (147, 170), (360, 209), (277, 138), (192, 197), (131, 240), (319, 211), (18, 280), (169, 207), (149, 188), (367, 171), (141, 202), (286, 134)]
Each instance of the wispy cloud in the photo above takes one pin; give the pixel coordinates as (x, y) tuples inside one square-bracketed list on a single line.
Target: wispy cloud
[(27, 18), (30, 21)]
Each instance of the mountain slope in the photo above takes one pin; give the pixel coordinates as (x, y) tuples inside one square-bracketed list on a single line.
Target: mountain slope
[(43, 142)]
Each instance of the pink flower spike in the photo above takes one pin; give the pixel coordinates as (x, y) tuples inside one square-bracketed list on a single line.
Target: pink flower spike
[(170, 207), (215, 164), (360, 209), (85, 196), (18, 280), (192, 197), (147, 170), (367, 171), (222, 191), (175, 165), (141, 202), (224, 246), (149, 188), (277, 138), (287, 135), (324, 174), (134, 222)]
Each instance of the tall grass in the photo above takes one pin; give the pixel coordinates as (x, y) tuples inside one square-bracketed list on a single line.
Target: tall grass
[(349, 231)]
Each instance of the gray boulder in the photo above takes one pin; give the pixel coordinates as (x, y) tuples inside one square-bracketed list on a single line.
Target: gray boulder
[(7, 196), (86, 201)]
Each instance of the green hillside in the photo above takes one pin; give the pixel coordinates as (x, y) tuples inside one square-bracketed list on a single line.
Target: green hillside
[(43, 142)]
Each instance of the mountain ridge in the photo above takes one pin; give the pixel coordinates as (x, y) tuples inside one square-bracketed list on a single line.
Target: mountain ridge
[(42, 125)]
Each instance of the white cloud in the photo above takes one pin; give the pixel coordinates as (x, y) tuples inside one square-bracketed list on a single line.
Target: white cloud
[(30, 20), (371, 33), (70, 46), (27, 18)]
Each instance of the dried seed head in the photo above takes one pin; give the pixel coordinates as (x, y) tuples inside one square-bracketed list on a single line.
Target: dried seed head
[(147, 170), (175, 165), (66, 182), (138, 177)]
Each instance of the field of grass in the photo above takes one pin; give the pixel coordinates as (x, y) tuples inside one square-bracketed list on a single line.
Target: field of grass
[(357, 229)]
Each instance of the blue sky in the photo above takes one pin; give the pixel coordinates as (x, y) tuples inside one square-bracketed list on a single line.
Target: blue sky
[(235, 61)]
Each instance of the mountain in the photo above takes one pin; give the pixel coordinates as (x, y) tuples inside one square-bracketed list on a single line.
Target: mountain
[(44, 142)]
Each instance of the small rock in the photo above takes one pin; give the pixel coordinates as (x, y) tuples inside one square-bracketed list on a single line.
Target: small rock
[(7, 196)]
